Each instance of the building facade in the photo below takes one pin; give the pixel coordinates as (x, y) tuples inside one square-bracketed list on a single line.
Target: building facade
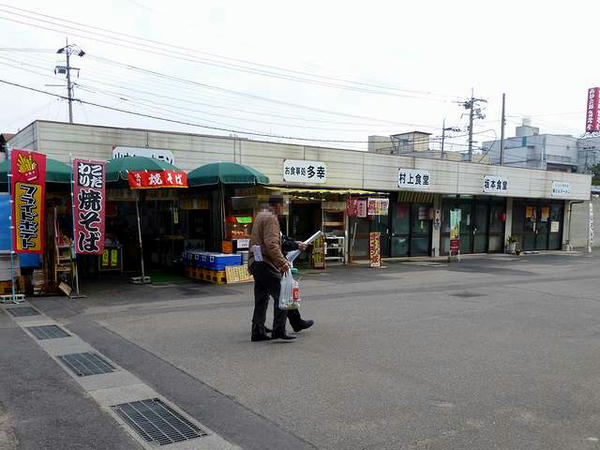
[(495, 201)]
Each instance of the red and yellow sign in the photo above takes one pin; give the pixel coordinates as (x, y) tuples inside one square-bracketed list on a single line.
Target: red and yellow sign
[(28, 173), (157, 179), (375, 249)]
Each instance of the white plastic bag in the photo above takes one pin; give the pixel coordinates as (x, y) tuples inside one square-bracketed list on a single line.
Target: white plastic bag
[(286, 298)]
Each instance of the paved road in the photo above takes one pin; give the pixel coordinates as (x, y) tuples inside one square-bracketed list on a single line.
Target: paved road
[(490, 353)]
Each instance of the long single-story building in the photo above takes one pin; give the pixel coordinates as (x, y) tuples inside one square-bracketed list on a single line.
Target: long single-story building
[(413, 195)]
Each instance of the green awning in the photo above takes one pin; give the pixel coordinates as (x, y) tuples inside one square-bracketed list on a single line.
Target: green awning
[(225, 173), (56, 171), (117, 168)]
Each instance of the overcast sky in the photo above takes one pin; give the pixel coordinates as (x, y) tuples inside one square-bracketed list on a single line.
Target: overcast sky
[(322, 70)]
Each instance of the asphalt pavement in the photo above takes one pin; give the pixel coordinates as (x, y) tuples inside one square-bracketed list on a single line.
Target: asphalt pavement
[(495, 352)]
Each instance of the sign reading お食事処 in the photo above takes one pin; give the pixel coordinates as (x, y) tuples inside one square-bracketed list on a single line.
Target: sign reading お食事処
[(414, 179), (89, 200), (302, 171), (495, 184), (28, 180)]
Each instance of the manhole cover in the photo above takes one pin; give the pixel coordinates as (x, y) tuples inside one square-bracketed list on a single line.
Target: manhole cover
[(156, 422), (84, 364), (48, 332), (467, 294), (23, 311)]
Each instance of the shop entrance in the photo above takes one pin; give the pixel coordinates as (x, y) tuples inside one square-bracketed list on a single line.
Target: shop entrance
[(410, 230), (539, 225), (481, 225)]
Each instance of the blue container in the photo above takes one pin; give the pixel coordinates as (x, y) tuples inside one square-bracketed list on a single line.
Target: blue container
[(218, 261)]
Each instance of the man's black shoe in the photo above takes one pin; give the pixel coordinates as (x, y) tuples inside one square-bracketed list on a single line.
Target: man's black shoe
[(285, 337), (303, 325), (260, 337)]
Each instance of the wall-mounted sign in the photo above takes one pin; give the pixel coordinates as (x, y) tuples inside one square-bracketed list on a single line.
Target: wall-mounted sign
[(591, 114), (493, 183), (157, 179), (413, 179), (560, 189), (378, 206), (155, 153), (302, 171)]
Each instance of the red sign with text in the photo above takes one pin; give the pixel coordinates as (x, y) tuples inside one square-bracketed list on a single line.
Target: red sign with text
[(28, 183), (156, 179), (89, 203), (592, 122)]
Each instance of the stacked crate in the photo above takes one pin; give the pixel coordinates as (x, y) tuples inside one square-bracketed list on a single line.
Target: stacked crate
[(207, 266)]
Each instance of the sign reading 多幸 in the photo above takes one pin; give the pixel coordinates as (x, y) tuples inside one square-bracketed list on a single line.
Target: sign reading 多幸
[(560, 189), (302, 171), (413, 179), (493, 183), (89, 199), (155, 153)]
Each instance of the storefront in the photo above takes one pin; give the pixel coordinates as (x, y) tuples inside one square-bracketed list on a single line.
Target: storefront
[(538, 223), (482, 224)]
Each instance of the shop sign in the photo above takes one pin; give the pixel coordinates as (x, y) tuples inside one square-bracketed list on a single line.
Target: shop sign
[(592, 119), (157, 179), (28, 178), (237, 274), (493, 183), (356, 207), (455, 216), (378, 206), (560, 189), (89, 199), (154, 153), (413, 179), (302, 171), (374, 249), (318, 253)]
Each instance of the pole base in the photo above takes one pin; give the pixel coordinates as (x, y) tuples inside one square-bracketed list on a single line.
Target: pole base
[(141, 280)]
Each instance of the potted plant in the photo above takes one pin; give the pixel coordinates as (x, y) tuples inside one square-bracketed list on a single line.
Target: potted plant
[(512, 243)]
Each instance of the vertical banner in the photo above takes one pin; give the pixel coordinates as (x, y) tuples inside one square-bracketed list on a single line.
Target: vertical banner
[(374, 249), (89, 184), (592, 116), (28, 172), (318, 253), (454, 230)]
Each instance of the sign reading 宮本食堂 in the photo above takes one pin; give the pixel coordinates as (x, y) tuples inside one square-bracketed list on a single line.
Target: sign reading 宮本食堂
[(493, 183), (413, 179), (302, 171)]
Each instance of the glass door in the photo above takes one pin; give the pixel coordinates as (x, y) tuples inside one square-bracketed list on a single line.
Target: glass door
[(466, 235), (496, 227), (480, 227), (542, 228), (420, 237), (555, 224), (400, 238), (530, 227)]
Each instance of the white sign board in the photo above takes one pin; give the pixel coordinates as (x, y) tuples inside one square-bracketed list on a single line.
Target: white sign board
[(302, 171), (155, 153), (413, 179), (495, 184), (560, 189)]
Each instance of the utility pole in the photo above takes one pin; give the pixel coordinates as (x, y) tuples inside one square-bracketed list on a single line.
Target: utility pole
[(502, 123), (474, 113), (69, 50)]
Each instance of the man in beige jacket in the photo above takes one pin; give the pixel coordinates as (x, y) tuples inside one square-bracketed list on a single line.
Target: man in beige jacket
[(267, 264)]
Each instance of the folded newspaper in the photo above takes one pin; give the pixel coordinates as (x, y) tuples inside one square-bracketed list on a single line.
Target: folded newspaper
[(291, 256)]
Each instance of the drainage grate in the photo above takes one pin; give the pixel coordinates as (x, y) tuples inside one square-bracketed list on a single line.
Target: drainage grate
[(156, 422), (22, 311), (84, 364), (48, 332), (467, 294)]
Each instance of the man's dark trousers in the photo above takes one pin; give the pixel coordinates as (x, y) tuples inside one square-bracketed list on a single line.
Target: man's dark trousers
[(267, 282)]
